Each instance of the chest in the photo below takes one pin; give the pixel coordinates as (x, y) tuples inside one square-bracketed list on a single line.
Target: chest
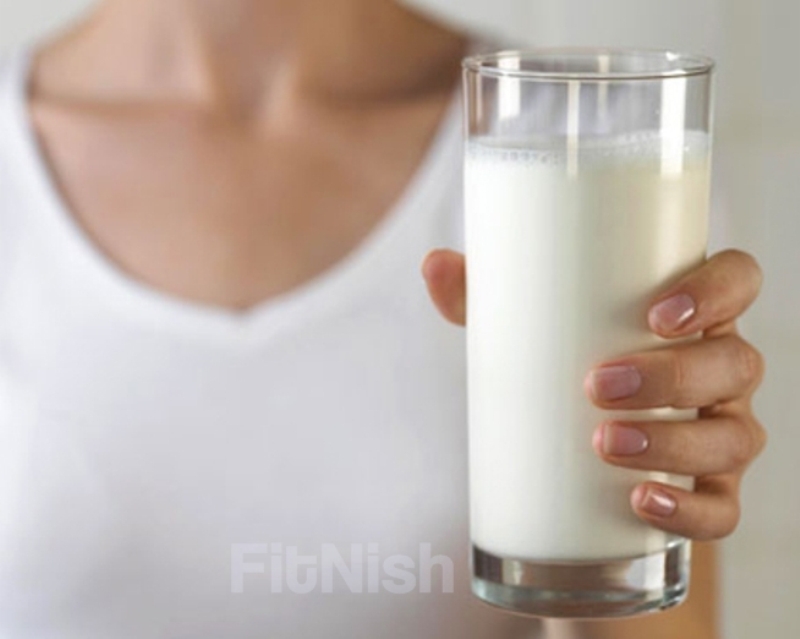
[(220, 213)]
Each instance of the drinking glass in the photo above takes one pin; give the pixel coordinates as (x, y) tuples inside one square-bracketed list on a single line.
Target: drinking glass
[(586, 194)]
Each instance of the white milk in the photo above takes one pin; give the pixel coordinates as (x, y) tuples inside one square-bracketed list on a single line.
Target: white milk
[(563, 256)]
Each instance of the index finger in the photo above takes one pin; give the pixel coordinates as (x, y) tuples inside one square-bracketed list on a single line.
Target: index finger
[(714, 294)]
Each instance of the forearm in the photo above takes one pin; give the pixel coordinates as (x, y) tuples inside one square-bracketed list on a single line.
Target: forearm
[(696, 618)]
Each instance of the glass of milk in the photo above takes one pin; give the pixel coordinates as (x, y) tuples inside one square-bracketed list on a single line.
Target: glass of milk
[(586, 193)]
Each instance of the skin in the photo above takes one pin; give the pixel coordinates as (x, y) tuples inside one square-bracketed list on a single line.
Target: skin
[(182, 134), (203, 190)]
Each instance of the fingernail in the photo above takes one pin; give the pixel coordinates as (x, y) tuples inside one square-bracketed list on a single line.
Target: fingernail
[(615, 382), (622, 440), (672, 313), (654, 502)]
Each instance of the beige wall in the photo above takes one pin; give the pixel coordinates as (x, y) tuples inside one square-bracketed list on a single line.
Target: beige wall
[(758, 162), (21, 19), (759, 148)]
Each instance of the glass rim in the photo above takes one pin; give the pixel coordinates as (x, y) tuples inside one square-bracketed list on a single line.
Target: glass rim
[(683, 64)]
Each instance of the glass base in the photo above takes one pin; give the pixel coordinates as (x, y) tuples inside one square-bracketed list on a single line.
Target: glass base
[(584, 589)]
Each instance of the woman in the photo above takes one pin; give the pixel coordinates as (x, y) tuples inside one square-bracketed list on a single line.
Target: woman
[(220, 371)]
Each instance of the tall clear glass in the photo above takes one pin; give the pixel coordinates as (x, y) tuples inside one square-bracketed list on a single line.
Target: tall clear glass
[(587, 192)]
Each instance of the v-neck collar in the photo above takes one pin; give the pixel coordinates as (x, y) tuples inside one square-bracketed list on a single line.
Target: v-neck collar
[(366, 267)]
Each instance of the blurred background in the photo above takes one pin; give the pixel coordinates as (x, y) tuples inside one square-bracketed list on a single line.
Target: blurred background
[(757, 194)]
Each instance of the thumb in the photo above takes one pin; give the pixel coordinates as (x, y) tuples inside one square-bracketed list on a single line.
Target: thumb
[(445, 276)]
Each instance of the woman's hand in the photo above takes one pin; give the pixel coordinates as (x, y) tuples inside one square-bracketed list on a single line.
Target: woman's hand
[(718, 374)]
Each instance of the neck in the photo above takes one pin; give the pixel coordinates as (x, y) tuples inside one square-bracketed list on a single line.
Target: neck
[(235, 54)]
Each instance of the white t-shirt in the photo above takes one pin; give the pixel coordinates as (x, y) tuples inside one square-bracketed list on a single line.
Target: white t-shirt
[(163, 463)]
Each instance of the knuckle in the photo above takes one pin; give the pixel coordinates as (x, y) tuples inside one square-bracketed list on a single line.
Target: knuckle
[(759, 435), (727, 521), (744, 446), (748, 361), (753, 364), (720, 511), (731, 519), (755, 268)]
